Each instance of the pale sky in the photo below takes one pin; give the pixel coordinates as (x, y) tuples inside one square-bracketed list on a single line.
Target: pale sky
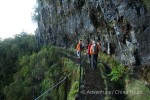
[(15, 17)]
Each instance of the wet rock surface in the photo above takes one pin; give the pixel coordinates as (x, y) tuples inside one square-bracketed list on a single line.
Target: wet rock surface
[(122, 26)]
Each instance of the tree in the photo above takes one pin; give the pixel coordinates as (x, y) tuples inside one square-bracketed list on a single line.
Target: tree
[(11, 49)]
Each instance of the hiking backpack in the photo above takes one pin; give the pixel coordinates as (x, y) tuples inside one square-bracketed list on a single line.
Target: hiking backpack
[(94, 48), (81, 47)]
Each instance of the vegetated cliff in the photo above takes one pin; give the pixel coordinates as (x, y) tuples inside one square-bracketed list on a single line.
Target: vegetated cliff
[(122, 26)]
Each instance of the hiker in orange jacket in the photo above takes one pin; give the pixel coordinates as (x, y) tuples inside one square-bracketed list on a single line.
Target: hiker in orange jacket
[(95, 48), (79, 48)]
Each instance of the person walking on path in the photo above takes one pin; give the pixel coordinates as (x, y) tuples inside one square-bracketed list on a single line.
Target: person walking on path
[(79, 49), (88, 52), (94, 54)]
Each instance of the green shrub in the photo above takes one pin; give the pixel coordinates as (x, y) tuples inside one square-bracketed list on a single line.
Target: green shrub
[(117, 72), (74, 90), (147, 4), (136, 90), (118, 69)]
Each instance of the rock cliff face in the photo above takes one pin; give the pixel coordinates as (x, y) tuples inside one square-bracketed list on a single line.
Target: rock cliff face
[(121, 26)]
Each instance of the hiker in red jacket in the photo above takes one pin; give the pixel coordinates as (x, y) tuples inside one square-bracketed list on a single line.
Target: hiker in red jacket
[(88, 52), (95, 48)]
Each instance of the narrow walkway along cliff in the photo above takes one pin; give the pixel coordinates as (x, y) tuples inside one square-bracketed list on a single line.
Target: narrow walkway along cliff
[(94, 84)]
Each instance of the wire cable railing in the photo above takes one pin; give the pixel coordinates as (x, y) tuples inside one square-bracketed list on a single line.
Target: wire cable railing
[(53, 87)]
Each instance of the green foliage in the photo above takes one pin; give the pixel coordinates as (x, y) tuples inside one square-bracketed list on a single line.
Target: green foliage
[(113, 74), (117, 72), (11, 49), (103, 56), (147, 4), (136, 90), (74, 90), (32, 70), (38, 71), (73, 68)]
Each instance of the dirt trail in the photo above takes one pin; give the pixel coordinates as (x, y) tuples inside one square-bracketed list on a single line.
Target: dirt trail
[(92, 86), (93, 83)]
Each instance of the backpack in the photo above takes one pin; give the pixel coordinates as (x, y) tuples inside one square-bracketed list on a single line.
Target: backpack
[(81, 47), (94, 48)]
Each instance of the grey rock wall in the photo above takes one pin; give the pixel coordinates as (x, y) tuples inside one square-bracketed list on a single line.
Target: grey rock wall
[(122, 26)]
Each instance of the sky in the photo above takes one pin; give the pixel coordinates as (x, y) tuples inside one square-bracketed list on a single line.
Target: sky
[(15, 17)]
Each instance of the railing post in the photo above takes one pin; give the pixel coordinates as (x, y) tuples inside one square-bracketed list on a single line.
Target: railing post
[(66, 88), (80, 80)]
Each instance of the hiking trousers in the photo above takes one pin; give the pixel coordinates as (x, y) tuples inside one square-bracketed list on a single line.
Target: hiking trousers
[(89, 58), (94, 60), (79, 54)]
